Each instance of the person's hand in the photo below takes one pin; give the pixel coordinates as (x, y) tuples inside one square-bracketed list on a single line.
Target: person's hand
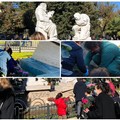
[(86, 110), (51, 99)]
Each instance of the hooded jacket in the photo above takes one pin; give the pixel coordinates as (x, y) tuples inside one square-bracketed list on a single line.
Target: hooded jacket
[(61, 106)]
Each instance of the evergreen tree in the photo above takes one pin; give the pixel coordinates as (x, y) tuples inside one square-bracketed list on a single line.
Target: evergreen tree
[(14, 18)]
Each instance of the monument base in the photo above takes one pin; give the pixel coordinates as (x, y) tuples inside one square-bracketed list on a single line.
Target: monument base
[(37, 68)]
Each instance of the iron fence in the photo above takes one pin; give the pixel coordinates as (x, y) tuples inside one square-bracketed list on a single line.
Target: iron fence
[(20, 46), (42, 111)]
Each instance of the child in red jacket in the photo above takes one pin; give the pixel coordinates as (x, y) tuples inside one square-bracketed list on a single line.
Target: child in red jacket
[(61, 105)]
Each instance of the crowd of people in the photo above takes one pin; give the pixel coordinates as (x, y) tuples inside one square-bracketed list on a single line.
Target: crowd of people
[(105, 37), (96, 99), (34, 36), (101, 100), (95, 59)]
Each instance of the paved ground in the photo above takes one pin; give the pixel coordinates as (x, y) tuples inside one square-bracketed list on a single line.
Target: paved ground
[(72, 118)]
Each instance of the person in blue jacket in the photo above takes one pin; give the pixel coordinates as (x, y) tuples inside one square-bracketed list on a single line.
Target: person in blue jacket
[(4, 58), (72, 58), (103, 54)]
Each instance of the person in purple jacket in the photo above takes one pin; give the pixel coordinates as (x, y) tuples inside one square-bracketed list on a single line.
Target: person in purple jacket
[(11, 63)]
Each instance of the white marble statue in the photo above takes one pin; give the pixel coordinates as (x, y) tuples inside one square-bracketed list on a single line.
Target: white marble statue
[(82, 27), (44, 23)]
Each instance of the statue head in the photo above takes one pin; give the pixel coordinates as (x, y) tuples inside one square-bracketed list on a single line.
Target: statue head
[(85, 19), (42, 6), (82, 19), (77, 16)]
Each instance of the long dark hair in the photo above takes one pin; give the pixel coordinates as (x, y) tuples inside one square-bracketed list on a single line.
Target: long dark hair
[(59, 95), (91, 44), (9, 51), (103, 86)]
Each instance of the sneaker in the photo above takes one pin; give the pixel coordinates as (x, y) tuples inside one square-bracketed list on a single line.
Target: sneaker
[(78, 116)]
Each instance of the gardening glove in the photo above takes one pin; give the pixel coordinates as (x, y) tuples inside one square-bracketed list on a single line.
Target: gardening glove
[(87, 73)]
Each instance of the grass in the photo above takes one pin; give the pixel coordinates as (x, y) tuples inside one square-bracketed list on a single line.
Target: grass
[(2, 42), (17, 55)]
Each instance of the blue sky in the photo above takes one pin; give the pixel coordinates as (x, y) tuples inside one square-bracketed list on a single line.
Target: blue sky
[(117, 4)]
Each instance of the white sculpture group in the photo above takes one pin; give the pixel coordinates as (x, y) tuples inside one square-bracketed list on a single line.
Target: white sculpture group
[(48, 28)]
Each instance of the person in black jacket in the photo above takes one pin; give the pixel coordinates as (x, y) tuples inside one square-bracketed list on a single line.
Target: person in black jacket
[(79, 91), (72, 59), (104, 104), (6, 99)]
